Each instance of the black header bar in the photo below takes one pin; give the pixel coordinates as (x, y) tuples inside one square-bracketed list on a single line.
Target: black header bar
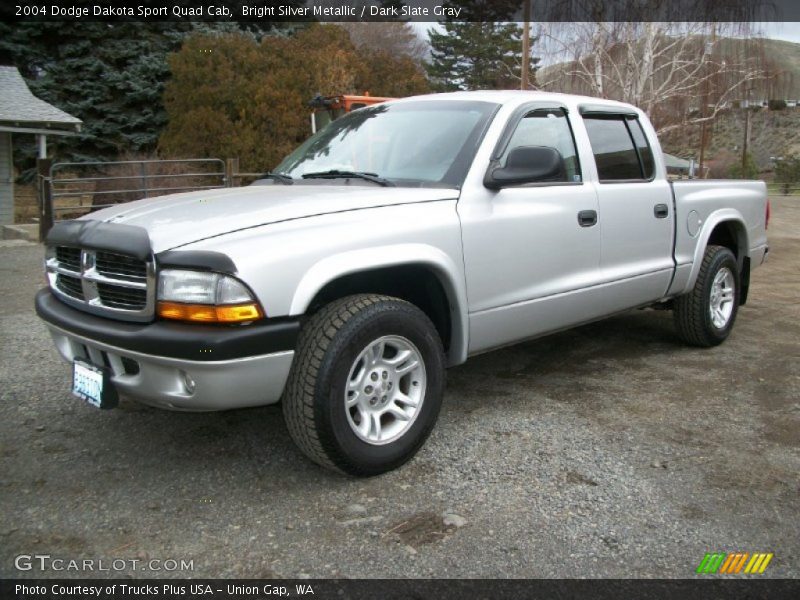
[(276, 11), (399, 589)]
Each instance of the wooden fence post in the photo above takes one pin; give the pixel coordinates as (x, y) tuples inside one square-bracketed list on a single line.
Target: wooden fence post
[(232, 172), (45, 194)]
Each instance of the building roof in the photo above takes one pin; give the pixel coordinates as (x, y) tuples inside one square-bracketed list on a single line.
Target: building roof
[(673, 162), (21, 111)]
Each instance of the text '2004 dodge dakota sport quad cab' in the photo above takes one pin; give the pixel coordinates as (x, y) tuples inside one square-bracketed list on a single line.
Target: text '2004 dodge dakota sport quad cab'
[(397, 241)]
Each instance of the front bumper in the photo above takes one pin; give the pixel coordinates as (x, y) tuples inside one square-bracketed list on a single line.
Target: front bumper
[(178, 366)]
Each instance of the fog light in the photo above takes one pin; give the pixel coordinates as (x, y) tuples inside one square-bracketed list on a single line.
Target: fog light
[(188, 383)]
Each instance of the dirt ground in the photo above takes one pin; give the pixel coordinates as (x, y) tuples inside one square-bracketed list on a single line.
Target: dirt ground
[(609, 450)]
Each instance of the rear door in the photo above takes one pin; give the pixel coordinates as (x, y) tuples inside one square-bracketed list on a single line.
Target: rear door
[(635, 210)]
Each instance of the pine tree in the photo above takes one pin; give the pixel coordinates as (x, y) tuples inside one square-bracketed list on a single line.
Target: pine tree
[(483, 53), (250, 100), (109, 75)]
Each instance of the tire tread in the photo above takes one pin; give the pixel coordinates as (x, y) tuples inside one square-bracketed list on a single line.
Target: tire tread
[(689, 309), (314, 341)]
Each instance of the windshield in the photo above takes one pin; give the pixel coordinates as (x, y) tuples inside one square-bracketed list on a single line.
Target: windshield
[(410, 143)]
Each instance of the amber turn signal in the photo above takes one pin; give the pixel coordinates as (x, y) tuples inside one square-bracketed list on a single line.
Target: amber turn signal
[(203, 313)]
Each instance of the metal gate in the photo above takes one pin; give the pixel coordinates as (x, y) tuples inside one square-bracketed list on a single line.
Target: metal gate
[(70, 190)]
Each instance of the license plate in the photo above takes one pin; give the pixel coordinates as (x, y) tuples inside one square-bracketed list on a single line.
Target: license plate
[(93, 384)]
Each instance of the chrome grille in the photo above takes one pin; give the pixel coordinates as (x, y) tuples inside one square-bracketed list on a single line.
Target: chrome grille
[(71, 286), (69, 258), (118, 296), (103, 282), (120, 266)]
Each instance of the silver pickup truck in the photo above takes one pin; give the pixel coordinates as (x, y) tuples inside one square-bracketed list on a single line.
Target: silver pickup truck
[(399, 240)]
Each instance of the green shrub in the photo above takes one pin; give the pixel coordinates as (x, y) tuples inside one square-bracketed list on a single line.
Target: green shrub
[(777, 104), (748, 171), (787, 173)]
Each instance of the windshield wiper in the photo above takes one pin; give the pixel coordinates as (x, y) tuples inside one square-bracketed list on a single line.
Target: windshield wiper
[(336, 174), (280, 177)]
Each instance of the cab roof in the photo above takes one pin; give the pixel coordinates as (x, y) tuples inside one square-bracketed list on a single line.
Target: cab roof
[(517, 97)]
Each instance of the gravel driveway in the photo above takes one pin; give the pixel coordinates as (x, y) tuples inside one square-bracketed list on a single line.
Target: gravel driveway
[(610, 450)]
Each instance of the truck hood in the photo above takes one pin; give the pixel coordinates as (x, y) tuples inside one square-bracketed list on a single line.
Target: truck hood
[(180, 219)]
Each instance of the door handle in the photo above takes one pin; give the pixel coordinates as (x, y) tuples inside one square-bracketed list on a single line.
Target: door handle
[(587, 218), (661, 211)]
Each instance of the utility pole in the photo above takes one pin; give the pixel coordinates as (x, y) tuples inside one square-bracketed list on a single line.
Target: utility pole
[(704, 108), (746, 134), (526, 44)]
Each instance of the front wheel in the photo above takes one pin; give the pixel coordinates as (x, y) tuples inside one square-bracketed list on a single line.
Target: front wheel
[(366, 385), (705, 316)]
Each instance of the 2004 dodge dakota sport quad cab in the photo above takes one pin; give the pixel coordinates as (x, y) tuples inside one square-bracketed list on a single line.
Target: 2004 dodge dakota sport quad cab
[(395, 242)]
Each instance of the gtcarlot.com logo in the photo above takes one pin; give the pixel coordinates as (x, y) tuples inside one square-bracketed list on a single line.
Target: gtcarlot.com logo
[(45, 562), (734, 563)]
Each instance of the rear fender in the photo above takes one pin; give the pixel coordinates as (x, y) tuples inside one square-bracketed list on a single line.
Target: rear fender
[(725, 215)]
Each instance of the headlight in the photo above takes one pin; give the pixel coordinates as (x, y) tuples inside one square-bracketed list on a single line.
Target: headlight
[(205, 297)]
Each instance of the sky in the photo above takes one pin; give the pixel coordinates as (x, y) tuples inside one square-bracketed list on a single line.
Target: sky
[(789, 31)]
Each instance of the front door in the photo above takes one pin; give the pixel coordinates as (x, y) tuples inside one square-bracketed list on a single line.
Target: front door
[(530, 250)]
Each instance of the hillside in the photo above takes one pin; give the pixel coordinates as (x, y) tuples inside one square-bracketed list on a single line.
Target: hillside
[(786, 57), (782, 58), (779, 58), (773, 133)]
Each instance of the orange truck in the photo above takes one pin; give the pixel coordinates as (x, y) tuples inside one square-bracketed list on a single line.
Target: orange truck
[(329, 108)]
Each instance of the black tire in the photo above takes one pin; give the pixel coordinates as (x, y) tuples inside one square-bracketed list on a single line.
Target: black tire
[(691, 311), (328, 346)]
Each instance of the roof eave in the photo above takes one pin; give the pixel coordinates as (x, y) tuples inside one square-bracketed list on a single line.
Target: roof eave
[(41, 128)]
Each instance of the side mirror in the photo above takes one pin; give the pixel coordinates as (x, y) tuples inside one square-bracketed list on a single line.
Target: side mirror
[(526, 164)]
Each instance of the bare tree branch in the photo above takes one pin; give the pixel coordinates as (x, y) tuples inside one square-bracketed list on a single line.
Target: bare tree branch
[(676, 72)]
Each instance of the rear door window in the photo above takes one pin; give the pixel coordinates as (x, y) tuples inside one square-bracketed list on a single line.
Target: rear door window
[(620, 148), (642, 147)]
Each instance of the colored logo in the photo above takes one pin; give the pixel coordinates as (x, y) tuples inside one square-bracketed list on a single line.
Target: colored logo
[(723, 563)]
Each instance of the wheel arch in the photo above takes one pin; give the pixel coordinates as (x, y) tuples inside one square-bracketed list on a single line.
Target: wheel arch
[(418, 273), (722, 228)]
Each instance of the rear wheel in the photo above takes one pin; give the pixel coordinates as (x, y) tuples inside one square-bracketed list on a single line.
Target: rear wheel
[(366, 384), (705, 316)]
